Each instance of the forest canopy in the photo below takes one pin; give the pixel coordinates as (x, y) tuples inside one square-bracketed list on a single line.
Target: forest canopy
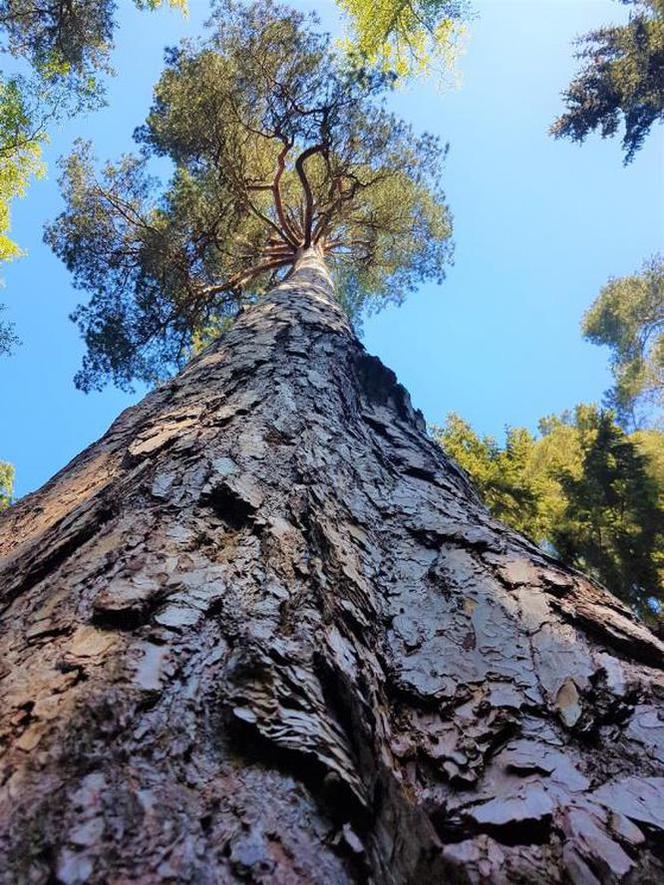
[(584, 488), (276, 146), (66, 50)]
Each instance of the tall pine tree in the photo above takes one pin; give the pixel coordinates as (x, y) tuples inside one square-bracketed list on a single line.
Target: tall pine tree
[(264, 630)]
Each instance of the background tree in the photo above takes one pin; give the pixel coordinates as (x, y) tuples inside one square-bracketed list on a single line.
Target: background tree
[(628, 317), (622, 80), (500, 474), (275, 150), (70, 41), (6, 484), (613, 525), (22, 135), (584, 489), (406, 36), (67, 47)]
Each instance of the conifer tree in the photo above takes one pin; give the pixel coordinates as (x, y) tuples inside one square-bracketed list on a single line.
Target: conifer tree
[(628, 317), (264, 630), (67, 46), (613, 526), (621, 81), (584, 490), (276, 150)]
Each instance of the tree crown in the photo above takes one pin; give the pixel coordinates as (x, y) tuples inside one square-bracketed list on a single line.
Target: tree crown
[(628, 317), (622, 79), (275, 147), (406, 36), (585, 488), (66, 41)]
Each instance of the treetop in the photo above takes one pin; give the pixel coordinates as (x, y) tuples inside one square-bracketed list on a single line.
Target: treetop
[(276, 144)]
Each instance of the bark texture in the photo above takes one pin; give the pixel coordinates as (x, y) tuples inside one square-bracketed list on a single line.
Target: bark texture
[(264, 631)]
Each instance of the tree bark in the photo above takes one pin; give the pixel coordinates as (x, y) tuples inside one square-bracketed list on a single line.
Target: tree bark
[(264, 631)]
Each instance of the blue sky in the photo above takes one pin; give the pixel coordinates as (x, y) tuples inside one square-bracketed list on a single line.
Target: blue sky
[(539, 226)]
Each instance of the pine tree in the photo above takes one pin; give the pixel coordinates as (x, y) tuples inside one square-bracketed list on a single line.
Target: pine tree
[(628, 317), (621, 81), (613, 526), (264, 630)]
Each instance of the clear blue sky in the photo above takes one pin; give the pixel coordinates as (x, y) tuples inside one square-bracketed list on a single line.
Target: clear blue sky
[(539, 227)]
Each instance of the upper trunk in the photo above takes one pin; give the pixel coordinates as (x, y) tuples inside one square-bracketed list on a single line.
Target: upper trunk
[(264, 630)]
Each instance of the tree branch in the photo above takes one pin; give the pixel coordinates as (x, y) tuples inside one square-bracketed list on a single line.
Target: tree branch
[(306, 187), (276, 191), (242, 277)]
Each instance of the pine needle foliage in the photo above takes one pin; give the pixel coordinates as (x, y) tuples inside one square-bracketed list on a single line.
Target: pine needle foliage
[(67, 47), (406, 36), (276, 147), (621, 80)]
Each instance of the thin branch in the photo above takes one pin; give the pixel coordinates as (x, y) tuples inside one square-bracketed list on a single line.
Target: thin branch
[(267, 220), (242, 277)]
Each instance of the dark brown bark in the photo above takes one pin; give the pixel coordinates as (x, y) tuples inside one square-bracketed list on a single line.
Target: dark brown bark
[(264, 631)]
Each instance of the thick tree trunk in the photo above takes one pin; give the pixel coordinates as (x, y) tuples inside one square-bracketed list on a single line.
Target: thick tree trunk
[(264, 631)]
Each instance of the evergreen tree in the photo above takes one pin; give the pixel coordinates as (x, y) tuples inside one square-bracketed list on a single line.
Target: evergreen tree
[(275, 150), (584, 489), (67, 46), (500, 474), (622, 80), (628, 317), (613, 526)]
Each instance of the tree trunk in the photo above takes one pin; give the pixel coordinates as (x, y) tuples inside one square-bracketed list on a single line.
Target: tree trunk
[(264, 631)]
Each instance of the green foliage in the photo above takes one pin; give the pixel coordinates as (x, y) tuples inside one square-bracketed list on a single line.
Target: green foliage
[(649, 444), (66, 41), (622, 79), (583, 487), (613, 526), (628, 317), (68, 46), (6, 484), (405, 36), (274, 149), (20, 155), (499, 474)]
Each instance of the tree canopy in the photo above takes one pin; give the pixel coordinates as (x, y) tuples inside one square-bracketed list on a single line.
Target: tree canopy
[(66, 41), (621, 80), (500, 474), (67, 47), (275, 148), (584, 488), (406, 36), (22, 134), (628, 317)]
